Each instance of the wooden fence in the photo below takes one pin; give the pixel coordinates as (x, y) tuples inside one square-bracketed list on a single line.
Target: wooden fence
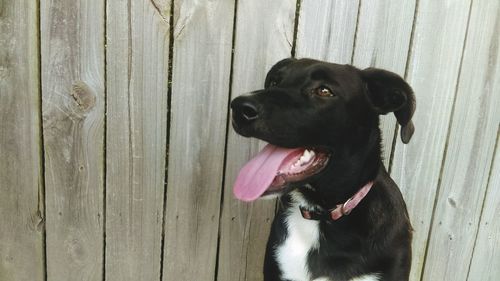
[(117, 160)]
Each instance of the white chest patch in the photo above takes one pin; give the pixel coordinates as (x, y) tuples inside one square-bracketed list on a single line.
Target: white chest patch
[(303, 235)]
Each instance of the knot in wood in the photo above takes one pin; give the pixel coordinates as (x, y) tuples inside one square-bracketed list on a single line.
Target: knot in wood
[(83, 95)]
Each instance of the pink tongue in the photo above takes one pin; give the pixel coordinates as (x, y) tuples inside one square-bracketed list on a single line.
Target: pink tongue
[(258, 174)]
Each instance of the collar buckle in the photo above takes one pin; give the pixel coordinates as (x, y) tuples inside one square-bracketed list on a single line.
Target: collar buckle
[(344, 209), (306, 214)]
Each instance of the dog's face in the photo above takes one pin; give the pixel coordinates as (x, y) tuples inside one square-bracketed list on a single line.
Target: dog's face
[(319, 107)]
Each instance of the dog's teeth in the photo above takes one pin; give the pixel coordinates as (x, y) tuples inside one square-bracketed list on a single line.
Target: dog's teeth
[(304, 158), (307, 156)]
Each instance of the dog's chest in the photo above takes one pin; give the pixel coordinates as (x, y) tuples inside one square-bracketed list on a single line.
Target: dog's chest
[(302, 237), (291, 255)]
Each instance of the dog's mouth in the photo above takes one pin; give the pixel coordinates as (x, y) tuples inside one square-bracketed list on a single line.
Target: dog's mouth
[(274, 168)]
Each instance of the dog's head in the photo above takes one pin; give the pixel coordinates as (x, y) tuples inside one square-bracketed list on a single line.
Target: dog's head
[(307, 110)]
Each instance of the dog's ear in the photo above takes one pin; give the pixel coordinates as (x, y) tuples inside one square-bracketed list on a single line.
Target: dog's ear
[(388, 92), (273, 76)]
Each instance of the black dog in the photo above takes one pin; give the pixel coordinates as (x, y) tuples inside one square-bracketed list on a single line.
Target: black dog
[(342, 217)]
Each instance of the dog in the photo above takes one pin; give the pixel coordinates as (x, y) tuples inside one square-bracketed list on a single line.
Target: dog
[(341, 216)]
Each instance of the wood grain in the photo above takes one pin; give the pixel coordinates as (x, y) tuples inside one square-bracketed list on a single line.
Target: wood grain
[(200, 88), (472, 138), (72, 49), (137, 81), (449, 172), (433, 69), (382, 41), (21, 185), (485, 264), (327, 29), (258, 45)]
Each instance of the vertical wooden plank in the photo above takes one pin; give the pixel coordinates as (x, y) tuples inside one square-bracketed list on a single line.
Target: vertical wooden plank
[(21, 186), (137, 82), (433, 70), (327, 29), (471, 143), (485, 264), (382, 41), (200, 87), (258, 45), (72, 48)]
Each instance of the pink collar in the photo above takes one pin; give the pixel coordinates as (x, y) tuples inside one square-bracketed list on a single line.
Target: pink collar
[(341, 209)]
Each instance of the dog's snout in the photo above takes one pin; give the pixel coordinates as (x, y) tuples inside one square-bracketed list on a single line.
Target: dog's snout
[(245, 109)]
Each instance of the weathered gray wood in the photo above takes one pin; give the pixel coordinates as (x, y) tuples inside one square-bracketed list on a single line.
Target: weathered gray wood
[(21, 186), (433, 72), (326, 29), (137, 82), (200, 88), (382, 41), (485, 264), (72, 48), (258, 45), (471, 143)]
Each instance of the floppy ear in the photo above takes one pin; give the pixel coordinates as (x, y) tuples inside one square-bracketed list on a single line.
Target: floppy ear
[(273, 74), (388, 92)]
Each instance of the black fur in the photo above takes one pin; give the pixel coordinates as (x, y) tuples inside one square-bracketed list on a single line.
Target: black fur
[(376, 236)]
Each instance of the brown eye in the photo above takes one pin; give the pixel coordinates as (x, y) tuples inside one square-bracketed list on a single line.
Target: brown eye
[(273, 83), (323, 91)]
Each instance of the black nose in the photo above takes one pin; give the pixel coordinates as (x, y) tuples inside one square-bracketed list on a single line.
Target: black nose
[(249, 111), (244, 109)]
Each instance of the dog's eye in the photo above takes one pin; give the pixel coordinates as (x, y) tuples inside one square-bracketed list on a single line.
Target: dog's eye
[(323, 91), (273, 83)]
